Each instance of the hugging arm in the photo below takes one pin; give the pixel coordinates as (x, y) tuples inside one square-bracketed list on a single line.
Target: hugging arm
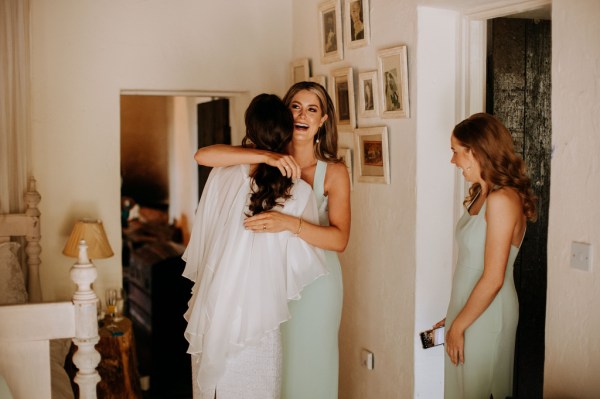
[(228, 155), (333, 237)]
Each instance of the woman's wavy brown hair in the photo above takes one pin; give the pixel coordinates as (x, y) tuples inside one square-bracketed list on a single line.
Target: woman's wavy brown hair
[(492, 145), (269, 126), (326, 147)]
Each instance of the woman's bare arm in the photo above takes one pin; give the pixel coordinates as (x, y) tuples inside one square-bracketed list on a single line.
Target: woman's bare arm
[(333, 237), (227, 155)]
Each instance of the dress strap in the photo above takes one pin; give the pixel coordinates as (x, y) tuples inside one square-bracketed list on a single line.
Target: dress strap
[(470, 204), (319, 179)]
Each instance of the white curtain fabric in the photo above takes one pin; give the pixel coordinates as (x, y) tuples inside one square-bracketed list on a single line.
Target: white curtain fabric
[(14, 104)]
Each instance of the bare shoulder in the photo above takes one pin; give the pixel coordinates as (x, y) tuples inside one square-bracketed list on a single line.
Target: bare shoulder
[(336, 176), (504, 200), (337, 170)]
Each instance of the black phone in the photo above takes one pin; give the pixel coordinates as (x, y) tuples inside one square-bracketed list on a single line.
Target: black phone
[(433, 337)]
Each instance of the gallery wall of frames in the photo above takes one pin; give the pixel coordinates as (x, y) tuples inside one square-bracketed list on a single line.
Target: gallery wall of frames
[(379, 93)]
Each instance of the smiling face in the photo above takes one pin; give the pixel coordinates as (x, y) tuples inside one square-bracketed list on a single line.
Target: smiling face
[(464, 159), (308, 115)]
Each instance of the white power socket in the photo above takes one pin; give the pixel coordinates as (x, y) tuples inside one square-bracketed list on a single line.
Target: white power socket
[(367, 359)]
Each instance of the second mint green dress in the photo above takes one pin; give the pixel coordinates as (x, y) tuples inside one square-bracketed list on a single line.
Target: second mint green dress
[(490, 340), (310, 337)]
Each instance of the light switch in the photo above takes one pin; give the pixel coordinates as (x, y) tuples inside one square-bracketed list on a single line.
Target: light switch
[(581, 256)]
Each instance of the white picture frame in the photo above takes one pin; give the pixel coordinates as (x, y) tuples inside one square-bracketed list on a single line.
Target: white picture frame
[(368, 94), (342, 94), (300, 70), (372, 163), (346, 155), (330, 24), (393, 82), (356, 23), (320, 79)]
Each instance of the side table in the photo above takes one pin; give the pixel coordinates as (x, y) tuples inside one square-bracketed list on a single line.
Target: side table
[(118, 366)]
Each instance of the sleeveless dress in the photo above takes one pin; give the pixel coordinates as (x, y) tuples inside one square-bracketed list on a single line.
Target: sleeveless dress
[(490, 340), (310, 337)]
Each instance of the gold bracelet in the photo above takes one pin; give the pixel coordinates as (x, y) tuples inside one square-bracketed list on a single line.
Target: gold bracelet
[(299, 227)]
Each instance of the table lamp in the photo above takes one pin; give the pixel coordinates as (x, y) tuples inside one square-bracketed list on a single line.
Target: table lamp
[(92, 231)]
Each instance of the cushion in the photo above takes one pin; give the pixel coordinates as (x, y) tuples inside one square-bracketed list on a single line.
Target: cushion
[(61, 384), (12, 283)]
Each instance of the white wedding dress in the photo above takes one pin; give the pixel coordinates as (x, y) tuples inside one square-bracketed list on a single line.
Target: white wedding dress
[(243, 281)]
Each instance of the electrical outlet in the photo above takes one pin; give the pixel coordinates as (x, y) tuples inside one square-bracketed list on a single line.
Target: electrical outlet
[(367, 359), (581, 254)]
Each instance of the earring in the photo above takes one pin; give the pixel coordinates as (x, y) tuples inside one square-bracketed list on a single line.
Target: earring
[(317, 141)]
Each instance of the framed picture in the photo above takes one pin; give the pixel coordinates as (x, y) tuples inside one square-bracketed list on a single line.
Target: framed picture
[(320, 79), (300, 70), (368, 94), (330, 22), (356, 23), (372, 159), (393, 75), (346, 155), (342, 95)]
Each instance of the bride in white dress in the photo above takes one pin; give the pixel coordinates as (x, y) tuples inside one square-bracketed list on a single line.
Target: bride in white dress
[(243, 280)]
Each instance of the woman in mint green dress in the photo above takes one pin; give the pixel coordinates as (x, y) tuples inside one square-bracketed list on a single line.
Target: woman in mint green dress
[(310, 337), (483, 313)]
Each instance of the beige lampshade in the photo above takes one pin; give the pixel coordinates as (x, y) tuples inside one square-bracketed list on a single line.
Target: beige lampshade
[(93, 233)]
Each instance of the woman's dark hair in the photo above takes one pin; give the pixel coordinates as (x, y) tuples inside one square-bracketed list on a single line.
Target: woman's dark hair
[(269, 126), (325, 141), (492, 146)]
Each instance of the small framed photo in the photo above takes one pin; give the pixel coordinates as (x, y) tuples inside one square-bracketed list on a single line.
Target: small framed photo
[(320, 79), (300, 70), (372, 159), (330, 22), (346, 155), (356, 23), (342, 94), (393, 74), (368, 94)]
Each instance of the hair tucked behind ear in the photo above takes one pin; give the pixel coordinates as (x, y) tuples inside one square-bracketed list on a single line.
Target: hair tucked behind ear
[(269, 126), (492, 146)]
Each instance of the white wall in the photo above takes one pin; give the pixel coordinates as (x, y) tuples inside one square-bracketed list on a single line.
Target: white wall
[(437, 66), (572, 318), (85, 52)]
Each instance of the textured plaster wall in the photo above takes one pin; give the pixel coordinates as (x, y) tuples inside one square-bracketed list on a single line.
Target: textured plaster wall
[(85, 52), (379, 264), (572, 319)]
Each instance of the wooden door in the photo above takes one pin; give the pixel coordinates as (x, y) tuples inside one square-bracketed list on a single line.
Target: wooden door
[(519, 93), (213, 128)]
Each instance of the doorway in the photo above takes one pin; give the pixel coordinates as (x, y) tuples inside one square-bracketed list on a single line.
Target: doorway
[(519, 94), (159, 135)]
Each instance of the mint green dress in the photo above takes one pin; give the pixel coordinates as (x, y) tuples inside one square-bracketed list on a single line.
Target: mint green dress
[(310, 337), (490, 340)]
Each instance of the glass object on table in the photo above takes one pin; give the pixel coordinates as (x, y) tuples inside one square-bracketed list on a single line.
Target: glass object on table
[(111, 306), (120, 304)]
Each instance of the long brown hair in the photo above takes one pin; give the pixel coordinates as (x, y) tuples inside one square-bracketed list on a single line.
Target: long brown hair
[(492, 146), (269, 126), (325, 141)]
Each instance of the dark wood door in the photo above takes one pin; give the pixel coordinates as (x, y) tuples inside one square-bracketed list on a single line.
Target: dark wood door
[(519, 93), (213, 128)]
